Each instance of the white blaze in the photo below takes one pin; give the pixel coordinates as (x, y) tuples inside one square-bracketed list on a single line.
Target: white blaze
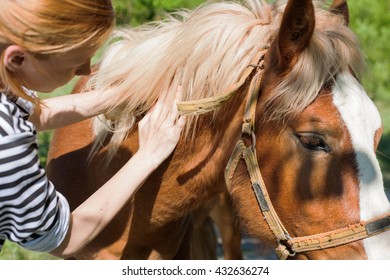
[(363, 120)]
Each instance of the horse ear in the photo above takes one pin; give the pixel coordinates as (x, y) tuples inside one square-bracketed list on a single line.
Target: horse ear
[(296, 29), (341, 7)]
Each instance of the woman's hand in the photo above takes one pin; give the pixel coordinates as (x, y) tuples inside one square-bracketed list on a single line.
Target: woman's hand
[(159, 131)]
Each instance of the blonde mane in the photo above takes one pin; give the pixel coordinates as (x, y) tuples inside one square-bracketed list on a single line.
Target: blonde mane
[(205, 51)]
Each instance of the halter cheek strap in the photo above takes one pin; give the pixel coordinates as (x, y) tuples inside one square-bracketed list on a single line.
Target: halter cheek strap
[(287, 246)]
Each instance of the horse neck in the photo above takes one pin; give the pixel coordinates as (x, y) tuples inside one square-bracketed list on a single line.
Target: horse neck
[(208, 149)]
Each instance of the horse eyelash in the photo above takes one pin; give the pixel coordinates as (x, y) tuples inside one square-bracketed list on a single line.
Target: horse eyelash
[(310, 145)]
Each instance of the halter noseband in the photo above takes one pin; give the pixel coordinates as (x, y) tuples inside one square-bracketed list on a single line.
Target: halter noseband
[(287, 246)]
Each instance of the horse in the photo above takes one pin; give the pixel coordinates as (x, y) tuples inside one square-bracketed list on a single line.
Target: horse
[(278, 122)]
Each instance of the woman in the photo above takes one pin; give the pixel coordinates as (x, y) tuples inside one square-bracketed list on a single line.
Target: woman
[(43, 44)]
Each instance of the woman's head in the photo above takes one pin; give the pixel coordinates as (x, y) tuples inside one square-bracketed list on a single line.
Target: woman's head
[(47, 31)]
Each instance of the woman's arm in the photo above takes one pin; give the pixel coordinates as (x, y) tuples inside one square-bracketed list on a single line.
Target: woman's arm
[(63, 110), (159, 133)]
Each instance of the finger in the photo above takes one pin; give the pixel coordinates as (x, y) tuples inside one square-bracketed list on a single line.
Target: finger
[(144, 120), (181, 121), (174, 110), (179, 93), (158, 111), (178, 98)]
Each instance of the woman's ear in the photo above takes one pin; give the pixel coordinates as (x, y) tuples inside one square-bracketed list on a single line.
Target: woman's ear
[(14, 56)]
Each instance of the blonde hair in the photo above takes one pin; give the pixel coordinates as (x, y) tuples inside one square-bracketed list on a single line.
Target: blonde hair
[(207, 50), (45, 27)]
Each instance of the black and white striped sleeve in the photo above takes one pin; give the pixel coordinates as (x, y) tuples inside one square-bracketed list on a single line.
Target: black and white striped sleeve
[(30, 208)]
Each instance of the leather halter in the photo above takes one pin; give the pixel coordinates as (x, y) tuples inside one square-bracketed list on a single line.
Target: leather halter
[(287, 246)]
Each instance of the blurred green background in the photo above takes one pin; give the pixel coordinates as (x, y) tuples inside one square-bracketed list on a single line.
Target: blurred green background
[(370, 20)]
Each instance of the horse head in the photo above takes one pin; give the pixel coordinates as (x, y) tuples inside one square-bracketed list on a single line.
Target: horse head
[(317, 133)]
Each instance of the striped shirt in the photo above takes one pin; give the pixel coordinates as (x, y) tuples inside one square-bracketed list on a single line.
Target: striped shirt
[(32, 213)]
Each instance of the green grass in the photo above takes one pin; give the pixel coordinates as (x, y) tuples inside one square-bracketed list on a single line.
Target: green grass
[(12, 251)]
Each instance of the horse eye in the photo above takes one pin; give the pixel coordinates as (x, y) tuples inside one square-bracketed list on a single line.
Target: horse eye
[(313, 142)]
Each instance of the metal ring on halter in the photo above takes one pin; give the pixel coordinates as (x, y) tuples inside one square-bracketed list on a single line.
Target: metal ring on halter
[(253, 138), (253, 135), (288, 236)]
